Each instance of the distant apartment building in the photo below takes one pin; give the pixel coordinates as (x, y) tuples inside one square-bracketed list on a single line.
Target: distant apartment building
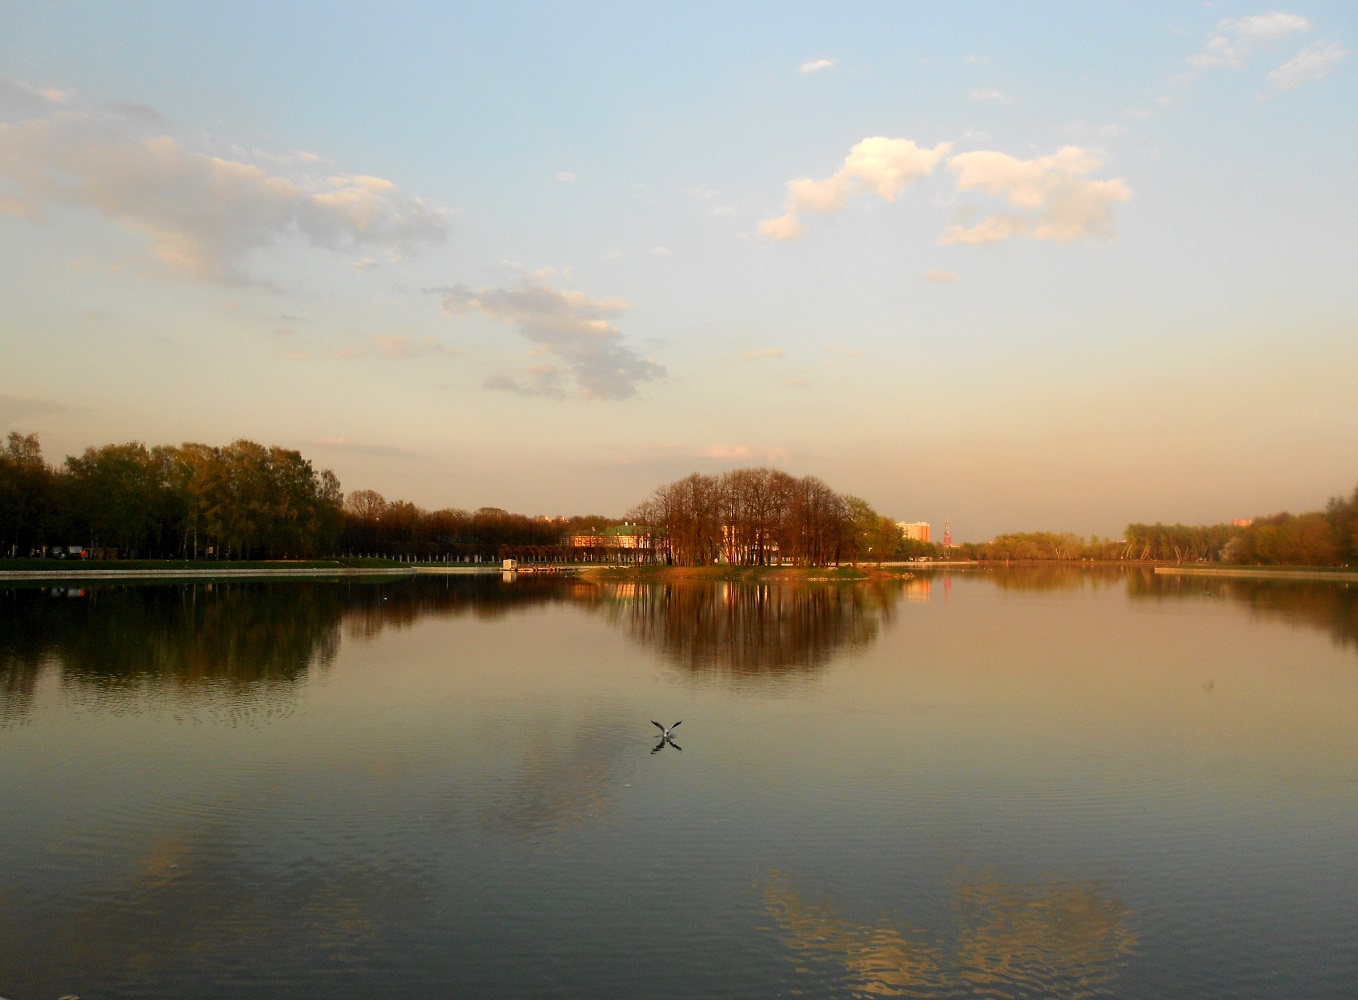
[(917, 531)]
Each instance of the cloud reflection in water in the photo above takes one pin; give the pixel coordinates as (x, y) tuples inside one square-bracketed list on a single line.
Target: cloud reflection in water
[(1055, 939)]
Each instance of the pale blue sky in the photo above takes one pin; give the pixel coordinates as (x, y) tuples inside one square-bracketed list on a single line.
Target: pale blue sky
[(1058, 266)]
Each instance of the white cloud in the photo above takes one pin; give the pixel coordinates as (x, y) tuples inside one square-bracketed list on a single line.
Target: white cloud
[(660, 251), (1237, 38), (762, 354), (1055, 201), (1310, 64), (202, 213), (990, 94), (880, 165), (816, 65), (940, 276), (365, 265), (565, 177), (1266, 26), (588, 358)]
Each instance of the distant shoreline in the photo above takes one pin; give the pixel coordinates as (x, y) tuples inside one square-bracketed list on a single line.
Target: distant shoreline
[(215, 573), (1263, 572), (657, 572), (726, 573)]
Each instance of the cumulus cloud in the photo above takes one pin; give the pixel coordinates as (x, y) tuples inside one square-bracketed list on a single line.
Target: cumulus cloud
[(879, 165), (1053, 198), (1309, 65), (815, 66), (201, 213), (942, 277), (587, 358), (762, 354), (1237, 38)]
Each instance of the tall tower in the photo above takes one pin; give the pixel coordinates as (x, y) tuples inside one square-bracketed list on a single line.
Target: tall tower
[(947, 535)]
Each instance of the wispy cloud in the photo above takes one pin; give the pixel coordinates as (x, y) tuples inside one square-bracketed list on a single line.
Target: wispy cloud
[(17, 408), (398, 347), (1053, 197), (588, 358), (739, 451), (815, 66), (990, 94), (743, 453), (565, 177), (762, 354), (880, 165), (1309, 65), (942, 277), (355, 448), (202, 213), (1236, 39)]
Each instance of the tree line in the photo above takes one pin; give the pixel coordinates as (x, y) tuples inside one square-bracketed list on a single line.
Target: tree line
[(245, 500), (241, 500), (1318, 538), (374, 525)]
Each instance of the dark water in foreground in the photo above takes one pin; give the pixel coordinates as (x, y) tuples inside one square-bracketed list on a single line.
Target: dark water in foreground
[(1024, 785)]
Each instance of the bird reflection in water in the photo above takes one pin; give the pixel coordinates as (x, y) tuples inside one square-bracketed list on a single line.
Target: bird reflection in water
[(666, 736)]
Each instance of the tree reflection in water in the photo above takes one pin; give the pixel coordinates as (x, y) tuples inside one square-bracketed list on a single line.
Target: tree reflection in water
[(243, 645), (1327, 606), (751, 630), (1051, 939)]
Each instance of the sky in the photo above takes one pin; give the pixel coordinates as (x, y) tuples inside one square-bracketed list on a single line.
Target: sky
[(1059, 266)]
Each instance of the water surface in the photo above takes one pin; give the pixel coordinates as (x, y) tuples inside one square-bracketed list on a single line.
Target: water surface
[(1054, 784)]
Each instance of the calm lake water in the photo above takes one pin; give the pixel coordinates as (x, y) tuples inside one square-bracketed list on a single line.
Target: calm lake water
[(1022, 784)]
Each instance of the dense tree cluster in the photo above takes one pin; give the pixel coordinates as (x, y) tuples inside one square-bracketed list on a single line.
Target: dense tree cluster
[(171, 501), (1321, 538), (756, 517)]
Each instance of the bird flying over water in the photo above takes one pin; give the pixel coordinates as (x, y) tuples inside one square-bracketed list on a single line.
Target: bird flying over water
[(666, 736)]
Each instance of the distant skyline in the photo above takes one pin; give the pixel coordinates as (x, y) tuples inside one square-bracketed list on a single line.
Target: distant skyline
[(1053, 267)]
